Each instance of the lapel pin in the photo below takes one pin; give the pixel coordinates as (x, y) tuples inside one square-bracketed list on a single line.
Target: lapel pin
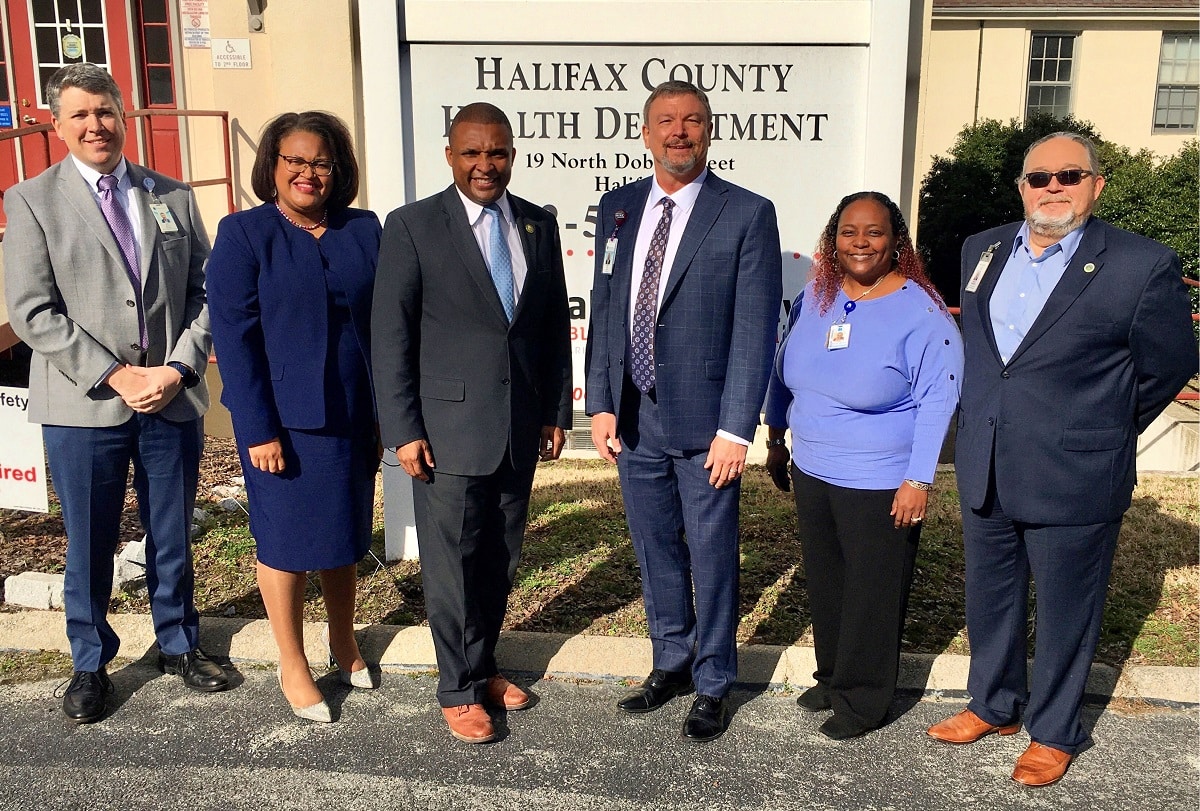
[(1089, 267), (529, 228)]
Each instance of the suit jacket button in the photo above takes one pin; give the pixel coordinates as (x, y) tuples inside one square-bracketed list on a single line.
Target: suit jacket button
[(135, 347), (1005, 375), (129, 302), (991, 421), (504, 381)]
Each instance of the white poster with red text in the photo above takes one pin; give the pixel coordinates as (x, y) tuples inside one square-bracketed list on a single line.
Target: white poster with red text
[(22, 455)]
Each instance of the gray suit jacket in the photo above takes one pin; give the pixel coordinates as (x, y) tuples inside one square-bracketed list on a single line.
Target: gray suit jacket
[(70, 299)]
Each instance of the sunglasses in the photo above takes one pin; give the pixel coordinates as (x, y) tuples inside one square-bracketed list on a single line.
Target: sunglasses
[(1067, 177)]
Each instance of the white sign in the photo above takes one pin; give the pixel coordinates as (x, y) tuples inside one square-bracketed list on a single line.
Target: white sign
[(22, 456), (193, 21), (230, 54), (789, 124)]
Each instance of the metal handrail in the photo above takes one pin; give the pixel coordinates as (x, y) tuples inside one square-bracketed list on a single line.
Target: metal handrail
[(145, 117)]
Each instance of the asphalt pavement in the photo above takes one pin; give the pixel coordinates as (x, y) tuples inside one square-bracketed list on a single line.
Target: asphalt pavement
[(163, 746)]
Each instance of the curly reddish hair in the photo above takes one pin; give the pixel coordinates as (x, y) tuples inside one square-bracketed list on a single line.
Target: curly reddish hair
[(827, 274)]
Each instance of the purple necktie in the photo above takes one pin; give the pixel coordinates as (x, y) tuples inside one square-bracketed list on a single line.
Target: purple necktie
[(122, 229), (645, 309)]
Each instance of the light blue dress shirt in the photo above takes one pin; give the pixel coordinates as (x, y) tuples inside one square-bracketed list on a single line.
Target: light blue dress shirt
[(1024, 286)]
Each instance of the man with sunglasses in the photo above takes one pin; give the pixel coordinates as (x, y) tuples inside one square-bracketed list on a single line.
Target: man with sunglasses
[(1077, 335)]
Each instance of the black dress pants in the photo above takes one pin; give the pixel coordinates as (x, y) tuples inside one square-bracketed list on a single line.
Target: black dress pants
[(470, 530), (859, 568)]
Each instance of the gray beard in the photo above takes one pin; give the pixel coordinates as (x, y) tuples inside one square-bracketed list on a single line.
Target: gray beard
[(679, 168), (1054, 227)]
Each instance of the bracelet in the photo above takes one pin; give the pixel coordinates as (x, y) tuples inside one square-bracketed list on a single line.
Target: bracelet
[(775, 443), (916, 485)]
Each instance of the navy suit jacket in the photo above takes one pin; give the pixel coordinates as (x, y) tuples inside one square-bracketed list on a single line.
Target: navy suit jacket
[(715, 335), (269, 310), (1111, 348)]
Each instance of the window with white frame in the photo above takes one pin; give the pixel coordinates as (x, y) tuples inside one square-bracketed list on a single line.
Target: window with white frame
[(1175, 102), (1051, 57)]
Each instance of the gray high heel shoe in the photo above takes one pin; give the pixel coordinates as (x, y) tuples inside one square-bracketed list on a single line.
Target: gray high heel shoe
[(362, 679), (318, 712)]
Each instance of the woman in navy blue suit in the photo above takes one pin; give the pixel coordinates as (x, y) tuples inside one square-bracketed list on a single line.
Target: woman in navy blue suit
[(289, 292)]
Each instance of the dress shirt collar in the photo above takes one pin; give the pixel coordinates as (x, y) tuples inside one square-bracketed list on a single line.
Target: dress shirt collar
[(1067, 244), (683, 199), (475, 211), (93, 177)]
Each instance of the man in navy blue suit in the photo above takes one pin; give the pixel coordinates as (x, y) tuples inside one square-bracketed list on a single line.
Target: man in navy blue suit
[(1077, 336), (685, 304)]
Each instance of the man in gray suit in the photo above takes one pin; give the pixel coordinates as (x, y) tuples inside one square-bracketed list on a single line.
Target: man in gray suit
[(471, 356), (104, 276)]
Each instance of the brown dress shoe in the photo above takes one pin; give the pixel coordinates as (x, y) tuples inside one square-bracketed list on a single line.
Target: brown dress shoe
[(503, 694), (470, 723), (1041, 765), (967, 727)]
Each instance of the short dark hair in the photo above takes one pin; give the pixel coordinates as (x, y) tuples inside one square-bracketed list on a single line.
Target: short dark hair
[(676, 88), (326, 126), (87, 77), (480, 112)]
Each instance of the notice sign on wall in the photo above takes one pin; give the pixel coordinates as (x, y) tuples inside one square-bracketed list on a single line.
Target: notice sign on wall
[(193, 22), (231, 54), (22, 456), (788, 123)]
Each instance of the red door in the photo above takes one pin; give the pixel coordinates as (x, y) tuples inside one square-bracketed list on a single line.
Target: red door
[(45, 36)]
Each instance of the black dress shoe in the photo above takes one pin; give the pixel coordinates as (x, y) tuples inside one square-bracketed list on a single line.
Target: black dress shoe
[(198, 671), (83, 702), (659, 687), (707, 720), (840, 728), (814, 699)]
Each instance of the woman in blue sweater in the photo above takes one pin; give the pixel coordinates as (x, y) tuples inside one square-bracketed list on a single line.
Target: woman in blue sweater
[(867, 378)]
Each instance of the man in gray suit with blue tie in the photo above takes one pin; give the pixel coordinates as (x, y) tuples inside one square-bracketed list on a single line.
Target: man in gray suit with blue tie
[(104, 277), (685, 304)]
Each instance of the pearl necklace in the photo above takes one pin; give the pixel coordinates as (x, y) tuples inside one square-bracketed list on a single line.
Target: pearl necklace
[(324, 217)]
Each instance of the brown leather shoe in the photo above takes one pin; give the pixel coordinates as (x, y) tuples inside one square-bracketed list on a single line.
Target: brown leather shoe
[(1041, 765), (967, 727), (470, 723), (503, 694)]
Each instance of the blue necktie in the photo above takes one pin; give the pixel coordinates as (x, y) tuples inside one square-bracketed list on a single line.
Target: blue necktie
[(122, 229), (645, 309), (500, 261)]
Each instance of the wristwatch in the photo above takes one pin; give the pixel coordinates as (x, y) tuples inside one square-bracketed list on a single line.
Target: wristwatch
[(916, 485), (190, 378), (775, 443)]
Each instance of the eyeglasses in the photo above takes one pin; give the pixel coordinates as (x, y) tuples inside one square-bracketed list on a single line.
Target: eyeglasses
[(319, 168), (1067, 177)]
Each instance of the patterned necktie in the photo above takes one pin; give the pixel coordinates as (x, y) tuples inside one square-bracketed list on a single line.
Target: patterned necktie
[(645, 309), (122, 229), (501, 261)]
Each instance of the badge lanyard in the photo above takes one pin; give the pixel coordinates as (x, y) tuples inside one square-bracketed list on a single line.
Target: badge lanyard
[(985, 259), (839, 330), (610, 247)]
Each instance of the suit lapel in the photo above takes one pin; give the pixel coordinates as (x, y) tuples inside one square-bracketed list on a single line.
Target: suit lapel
[(529, 233), (150, 233), (983, 298), (633, 203), (1083, 267), (463, 240), (77, 194), (708, 207)]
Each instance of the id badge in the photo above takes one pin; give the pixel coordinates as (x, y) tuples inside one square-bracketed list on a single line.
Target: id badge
[(610, 256), (164, 217), (839, 336), (981, 267)]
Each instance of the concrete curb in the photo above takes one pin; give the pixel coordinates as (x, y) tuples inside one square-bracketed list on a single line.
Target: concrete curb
[(410, 648)]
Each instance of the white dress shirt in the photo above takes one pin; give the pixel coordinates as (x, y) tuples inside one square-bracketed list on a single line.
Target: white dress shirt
[(481, 226)]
